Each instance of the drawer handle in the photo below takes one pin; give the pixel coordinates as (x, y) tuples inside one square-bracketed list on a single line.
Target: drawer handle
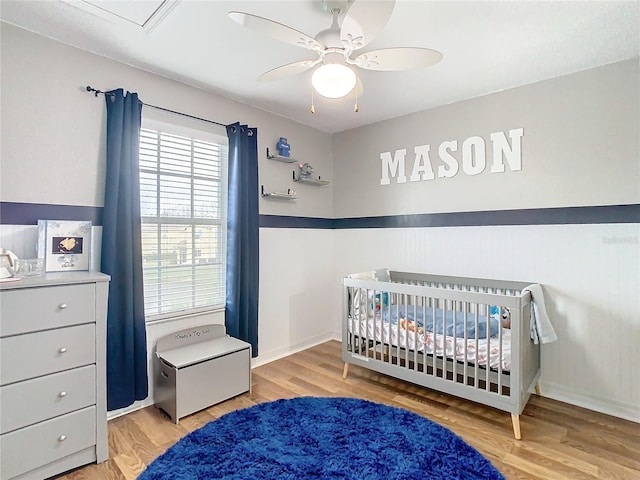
[(63, 306), (62, 350), (62, 438), (62, 394)]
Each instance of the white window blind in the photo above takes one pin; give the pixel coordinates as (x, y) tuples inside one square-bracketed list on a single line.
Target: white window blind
[(183, 203)]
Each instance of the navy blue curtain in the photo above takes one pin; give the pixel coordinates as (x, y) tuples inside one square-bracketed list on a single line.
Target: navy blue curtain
[(122, 254), (241, 314)]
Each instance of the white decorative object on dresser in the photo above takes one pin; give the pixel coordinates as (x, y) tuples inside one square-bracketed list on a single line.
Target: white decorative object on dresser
[(53, 414)]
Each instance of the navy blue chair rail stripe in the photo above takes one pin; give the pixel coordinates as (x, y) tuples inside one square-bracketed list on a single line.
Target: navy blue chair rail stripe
[(537, 216), (12, 213), (281, 221)]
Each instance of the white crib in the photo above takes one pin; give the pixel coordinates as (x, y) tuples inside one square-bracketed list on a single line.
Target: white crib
[(467, 337)]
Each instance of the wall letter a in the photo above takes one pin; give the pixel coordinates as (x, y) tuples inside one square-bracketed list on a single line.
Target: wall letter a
[(422, 164)]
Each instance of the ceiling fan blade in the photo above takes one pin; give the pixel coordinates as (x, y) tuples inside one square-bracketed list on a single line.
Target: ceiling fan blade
[(364, 20), (399, 58), (275, 30), (289, 70)]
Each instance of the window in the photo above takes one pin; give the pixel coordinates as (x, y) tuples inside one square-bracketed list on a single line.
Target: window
[(183, 203)]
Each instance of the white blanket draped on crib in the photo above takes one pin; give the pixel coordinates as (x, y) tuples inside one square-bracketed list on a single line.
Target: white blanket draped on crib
[(542, 330)]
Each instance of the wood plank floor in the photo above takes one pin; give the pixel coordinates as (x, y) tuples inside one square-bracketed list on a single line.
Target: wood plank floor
[(560, 441)]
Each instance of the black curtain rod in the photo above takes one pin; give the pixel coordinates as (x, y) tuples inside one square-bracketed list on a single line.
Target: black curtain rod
[(97, 92)]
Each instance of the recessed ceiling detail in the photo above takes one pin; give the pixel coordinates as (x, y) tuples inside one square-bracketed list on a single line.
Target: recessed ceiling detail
[(488, 47), (146, 15)]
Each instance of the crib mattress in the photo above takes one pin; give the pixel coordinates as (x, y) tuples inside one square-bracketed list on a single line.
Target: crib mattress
[(404, 335)]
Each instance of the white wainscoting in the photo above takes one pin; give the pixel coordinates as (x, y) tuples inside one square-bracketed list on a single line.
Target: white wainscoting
[(591, 278), (590, 273)]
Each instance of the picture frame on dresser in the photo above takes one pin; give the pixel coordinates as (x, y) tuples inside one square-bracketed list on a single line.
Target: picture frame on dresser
[(64, 245)]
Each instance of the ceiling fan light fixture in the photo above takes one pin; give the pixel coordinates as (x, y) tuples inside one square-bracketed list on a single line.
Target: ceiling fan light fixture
[(333, 80)]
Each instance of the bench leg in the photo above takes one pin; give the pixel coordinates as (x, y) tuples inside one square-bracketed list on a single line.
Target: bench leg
[(515, 419), (345, 371), (537, 389)]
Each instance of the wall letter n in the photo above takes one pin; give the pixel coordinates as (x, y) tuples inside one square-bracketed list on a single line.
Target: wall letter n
[(502, 150), (393, 167)]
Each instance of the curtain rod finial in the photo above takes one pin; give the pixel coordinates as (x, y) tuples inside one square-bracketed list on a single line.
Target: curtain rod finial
[(89, 88)]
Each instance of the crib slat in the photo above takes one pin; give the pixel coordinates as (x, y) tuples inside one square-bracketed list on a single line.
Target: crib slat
[(434, 366), (383, 331), (444, 340), (361, 319), (415, 336), (424, 335), (477, 342), (487, 380), (366, 322), (465, 307), (406, 333), (352, 319), (500, 350), (353, 323), (454, 307)]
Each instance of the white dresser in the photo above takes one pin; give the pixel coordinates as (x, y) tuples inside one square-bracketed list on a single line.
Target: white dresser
[(52, 374)]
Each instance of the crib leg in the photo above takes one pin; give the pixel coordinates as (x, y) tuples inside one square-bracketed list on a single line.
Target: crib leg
[(515, 419), (537, 389), (345, 371)]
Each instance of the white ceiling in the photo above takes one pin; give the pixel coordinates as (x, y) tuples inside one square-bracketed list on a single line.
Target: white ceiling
[(488, 46)]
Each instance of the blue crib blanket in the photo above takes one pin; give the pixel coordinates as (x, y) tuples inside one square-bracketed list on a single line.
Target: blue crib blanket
[(452, 320)]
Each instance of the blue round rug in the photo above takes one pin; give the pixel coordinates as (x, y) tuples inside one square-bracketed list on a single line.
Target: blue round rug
[(323, 438)]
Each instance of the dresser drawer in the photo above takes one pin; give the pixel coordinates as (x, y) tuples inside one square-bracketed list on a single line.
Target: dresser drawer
[(32, 401), (35, 354), (31, 309), (37, 445)]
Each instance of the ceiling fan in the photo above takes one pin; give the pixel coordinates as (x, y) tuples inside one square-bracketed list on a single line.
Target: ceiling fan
[(335, 77)]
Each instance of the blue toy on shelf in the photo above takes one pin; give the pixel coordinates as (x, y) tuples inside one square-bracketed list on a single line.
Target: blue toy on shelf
[(283, 147)]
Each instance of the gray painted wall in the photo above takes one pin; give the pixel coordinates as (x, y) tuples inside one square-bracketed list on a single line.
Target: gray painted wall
[(53, 130), (580, 147), (53, 152)]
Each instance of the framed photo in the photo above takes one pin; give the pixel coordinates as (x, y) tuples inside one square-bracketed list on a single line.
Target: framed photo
[(64, 245)]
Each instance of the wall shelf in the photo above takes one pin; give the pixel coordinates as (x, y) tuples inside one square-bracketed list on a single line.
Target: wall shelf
[(290, 195), (280, 158), (310, 180)]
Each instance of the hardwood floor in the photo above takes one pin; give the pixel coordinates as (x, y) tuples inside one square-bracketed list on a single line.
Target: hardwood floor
[(560, 441)]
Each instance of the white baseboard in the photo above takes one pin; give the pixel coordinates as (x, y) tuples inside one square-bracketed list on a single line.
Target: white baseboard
[(592, 402), (277, 354), (140, 404), (554, 391), (262, 359)]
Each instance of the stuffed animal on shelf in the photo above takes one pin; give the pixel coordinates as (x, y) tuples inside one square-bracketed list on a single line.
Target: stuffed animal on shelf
[(305, 170)]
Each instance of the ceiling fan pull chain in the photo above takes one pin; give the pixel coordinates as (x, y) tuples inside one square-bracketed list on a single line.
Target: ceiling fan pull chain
[(356, 109), (313, 108)]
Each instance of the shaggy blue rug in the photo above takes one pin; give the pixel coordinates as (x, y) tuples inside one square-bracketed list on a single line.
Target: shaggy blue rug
[(322, 438)]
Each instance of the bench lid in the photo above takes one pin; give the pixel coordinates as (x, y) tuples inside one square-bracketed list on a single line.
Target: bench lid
[(194, 345)]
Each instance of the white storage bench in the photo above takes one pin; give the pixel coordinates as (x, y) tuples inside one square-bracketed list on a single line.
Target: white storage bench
[(199, 367)]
